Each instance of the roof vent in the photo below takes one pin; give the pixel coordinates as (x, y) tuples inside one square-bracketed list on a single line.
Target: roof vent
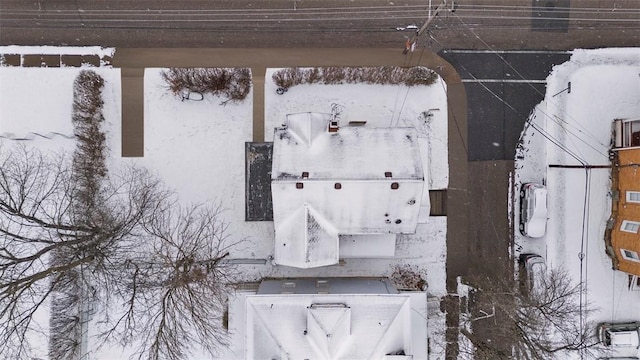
[(395, 186), (299, 185), (388, 174)]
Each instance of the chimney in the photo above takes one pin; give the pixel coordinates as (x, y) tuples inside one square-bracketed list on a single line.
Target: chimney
[(333, 125)]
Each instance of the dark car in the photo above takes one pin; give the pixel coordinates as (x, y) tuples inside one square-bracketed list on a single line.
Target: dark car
[(532, 272)]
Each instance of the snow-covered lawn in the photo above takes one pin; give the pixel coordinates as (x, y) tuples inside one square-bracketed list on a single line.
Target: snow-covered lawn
[(604, 86), (198, 149), (38, 101), (58, 50)]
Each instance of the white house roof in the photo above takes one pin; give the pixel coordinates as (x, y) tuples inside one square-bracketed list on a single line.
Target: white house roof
[(306, 239), (306, 126), (352, 153), (364, 326), (357, 180)]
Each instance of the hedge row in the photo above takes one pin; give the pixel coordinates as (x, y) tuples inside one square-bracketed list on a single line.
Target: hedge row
[(232, 83), (89, 157), (384, 75)]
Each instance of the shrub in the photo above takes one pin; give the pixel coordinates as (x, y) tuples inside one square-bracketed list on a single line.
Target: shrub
[(312, 76), (289, 77), (232, 83), (334, 75), (383, 75), (89, 156), (420, 76), (409, 277)]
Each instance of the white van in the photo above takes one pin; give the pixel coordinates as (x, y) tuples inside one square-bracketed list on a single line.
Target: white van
[(620, 335)]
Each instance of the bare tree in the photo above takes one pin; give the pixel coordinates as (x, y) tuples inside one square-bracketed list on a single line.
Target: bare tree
[(542, 323), (42, 242), (32, 224), (138, 249), (67, 322), (177, 290)]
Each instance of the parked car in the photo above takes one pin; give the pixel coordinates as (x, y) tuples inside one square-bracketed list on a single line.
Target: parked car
[(533, 210), (532, 271), (408, 27), (620, 335)]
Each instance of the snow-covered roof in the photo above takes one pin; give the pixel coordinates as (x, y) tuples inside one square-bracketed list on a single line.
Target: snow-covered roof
[(357, 180), (351, 153), (335, 326), (306, 239)]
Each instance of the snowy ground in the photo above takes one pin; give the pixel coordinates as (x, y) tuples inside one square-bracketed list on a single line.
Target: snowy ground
[(604, 86), (197, 148), (38, 101), (178, 135), (57, 50), (101, 52)]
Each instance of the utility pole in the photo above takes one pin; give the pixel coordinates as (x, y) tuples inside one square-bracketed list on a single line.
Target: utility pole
[(412, 41)]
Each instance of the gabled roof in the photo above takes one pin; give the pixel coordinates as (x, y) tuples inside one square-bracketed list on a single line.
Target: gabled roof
[(352, 153), (305, 239), (306, 126), (365, 326), (328, 328)]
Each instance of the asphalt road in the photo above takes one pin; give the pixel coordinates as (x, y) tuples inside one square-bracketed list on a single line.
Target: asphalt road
[(503, 24), (502, 90)]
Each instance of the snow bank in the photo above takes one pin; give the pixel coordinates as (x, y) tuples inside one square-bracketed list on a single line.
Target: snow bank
[(58, 50)]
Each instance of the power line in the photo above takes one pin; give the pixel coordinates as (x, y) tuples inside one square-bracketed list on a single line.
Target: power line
[(543, 132), (346, 13), (587, 189), (461, 8), (558, 120)]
